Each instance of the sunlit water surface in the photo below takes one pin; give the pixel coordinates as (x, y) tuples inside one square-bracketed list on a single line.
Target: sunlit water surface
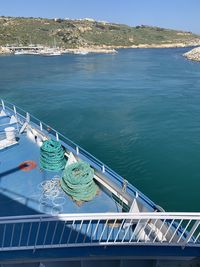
[(137, 111)]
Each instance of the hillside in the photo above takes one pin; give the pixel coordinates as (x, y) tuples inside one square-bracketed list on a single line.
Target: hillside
[(87, 33)]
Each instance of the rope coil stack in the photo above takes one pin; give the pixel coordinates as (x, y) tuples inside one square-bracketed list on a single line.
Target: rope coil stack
[(52, 156), (77, 181)]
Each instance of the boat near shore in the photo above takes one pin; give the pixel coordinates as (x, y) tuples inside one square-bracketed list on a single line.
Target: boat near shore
[(81, 52), (26, 52), (48, 52), (61, 204), (39, 52)]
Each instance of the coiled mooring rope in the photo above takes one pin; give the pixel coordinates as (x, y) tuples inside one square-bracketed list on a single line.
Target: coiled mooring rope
[(77, 181), (52, 156)]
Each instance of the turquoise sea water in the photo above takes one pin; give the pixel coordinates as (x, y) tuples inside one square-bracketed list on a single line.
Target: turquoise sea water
[(138, 111)]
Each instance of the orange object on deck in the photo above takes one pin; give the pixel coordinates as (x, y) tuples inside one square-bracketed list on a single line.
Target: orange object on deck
[(27, 165)]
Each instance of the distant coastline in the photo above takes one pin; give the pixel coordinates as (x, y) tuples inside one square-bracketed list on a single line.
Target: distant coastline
[(113, 49), (88, 35)]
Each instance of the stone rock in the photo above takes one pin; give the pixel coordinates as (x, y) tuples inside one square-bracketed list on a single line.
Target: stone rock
[(193, 54)]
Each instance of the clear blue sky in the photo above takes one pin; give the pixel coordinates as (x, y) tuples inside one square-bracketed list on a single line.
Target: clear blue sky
[(175, 14)]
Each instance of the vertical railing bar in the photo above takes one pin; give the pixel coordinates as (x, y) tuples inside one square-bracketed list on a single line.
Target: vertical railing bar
[(107, 231), (27, 117), (103, 168), (197, 237), (80, 227), (18, 121), (145, 225), (70, 232), (185, 229), (103, 230), (95, 230), (111, 231), (4, 233), (20, 238), (54, 232), (57, 136), (175, 231), (12, 235), (45, 236), (77, 150), (37, 234), (3, 105), (134, 231), (14, 109), (128, 228), (195, 226), (41, 128), (61, 236), (29, 234), (88, 227), (162, 225), (122, 223), (159, 229), (148, 236), (168, 229)]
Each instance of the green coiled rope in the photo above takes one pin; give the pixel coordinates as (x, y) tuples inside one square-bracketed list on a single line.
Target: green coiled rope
[(52, 156), (77, 181)]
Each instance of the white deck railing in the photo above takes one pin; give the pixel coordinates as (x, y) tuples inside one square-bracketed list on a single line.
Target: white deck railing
[(75, 230)]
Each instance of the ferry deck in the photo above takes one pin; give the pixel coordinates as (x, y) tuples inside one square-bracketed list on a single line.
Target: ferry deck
[(36, 220)]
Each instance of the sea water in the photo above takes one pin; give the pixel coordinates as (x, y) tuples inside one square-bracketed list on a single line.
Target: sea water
[(138, 111)]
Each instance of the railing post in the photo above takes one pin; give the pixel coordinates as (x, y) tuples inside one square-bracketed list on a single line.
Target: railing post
[(176, 230), (21, 232), (57, 137), (77, 150), (194, 227), (2, 103), (80, 227), (69, 236), (12, 235), (37, 234), (4, 235), (124, 185), (53, 236), (45, 236), (14, 109), (41, 128), (27, 117), (185, 229), (103, 168)]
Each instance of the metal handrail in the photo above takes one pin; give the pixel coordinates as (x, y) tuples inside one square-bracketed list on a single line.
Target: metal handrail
[(105, 216), (69, 230)]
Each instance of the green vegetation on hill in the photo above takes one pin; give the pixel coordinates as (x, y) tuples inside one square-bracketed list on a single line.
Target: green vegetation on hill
[(85, 33)]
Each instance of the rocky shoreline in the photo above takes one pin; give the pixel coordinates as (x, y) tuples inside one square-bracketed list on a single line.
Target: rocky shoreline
[(193, 54), (4, 50), (166, 45), (84, 50), (112, 49)]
